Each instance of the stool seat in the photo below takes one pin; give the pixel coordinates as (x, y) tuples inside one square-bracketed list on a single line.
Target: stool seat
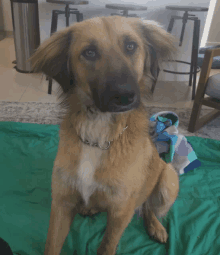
[(187, 8), (126, 7), (75, 2)]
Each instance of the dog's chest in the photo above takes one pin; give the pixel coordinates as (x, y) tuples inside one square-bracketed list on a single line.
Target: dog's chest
[(89, 161)]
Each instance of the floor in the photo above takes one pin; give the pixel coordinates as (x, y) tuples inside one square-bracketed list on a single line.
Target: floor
[(21, 87)]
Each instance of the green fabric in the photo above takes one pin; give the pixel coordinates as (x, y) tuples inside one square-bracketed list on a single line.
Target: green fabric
[(26, 162)]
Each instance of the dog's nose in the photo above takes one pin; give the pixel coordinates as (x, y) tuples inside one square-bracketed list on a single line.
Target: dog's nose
[(119, 93), (125, 99)]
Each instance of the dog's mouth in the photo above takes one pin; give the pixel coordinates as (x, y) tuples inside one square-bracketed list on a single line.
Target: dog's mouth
[(124, 100), (117, 104), (123, 103)]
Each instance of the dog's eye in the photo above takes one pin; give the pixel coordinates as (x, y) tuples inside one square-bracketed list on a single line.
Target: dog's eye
[(130, 47), (90, 54)]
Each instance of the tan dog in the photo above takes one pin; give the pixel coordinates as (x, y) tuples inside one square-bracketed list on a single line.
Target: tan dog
[(104, 66)]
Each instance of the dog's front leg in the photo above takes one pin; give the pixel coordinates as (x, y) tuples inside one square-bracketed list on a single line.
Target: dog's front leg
[(117, 221), (61, 218)]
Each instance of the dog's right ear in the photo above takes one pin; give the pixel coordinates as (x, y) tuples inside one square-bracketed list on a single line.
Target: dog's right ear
[(159, 45), (52, 58)]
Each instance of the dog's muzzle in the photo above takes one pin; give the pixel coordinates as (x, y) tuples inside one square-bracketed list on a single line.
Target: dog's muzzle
[(119, 93)]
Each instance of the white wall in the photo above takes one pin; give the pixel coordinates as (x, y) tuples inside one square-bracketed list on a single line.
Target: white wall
[(214, 32), (6, 12), (1, 17)]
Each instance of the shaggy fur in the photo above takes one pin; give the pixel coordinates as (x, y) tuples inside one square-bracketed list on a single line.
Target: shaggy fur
[(98, 63)]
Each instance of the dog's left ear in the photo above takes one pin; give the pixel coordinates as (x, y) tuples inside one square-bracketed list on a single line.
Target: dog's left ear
[(159, 45), (52, 58)]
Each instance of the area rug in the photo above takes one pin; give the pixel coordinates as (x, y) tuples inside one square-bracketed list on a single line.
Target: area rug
[(51, 113)]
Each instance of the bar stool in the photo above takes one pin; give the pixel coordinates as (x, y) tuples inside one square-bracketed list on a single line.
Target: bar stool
[(194, 69), (67, 12), (125, 8)]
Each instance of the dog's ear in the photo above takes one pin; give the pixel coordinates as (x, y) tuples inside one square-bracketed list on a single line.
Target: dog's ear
[(154, 63), (52, 58), (159, 45)]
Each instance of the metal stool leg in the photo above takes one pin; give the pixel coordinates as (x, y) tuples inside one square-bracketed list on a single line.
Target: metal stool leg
[(192, 60), (194, 56), (153, 86), (170, 26), (50, 86), (125, 13), (54, 22), (155, 81), (191, 69), (185, 17), (196, 52), (79, 17), (67, 14)]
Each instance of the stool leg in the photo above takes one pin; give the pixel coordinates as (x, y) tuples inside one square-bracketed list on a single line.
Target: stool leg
[(67, 14), (191, 69), (50, 86), (155, 81), (196, 52), (182, 34), (182, 31), (170, 26), (192, 58), (153, 86), (185, 17), (79, 17), (54, 22), (192, 64), (125, 13), (53, 30)]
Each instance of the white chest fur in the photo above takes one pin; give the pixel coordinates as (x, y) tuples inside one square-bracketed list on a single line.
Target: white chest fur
[(88, 164)]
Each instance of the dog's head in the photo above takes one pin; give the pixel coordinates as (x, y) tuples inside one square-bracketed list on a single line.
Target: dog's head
[(109, 61)]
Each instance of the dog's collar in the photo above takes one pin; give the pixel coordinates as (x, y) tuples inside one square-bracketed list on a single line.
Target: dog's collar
[(108, 143)]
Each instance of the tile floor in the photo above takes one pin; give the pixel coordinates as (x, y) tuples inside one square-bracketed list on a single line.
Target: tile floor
[(15, 86)]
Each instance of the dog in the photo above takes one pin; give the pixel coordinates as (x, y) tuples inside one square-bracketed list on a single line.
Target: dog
[(106, 160)]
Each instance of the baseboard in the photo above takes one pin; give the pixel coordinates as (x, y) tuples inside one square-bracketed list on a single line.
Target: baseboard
[(6, 33)]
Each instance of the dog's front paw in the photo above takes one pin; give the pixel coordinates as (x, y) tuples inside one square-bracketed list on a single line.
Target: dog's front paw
[(158, 232), (101, 252), (106, 250)]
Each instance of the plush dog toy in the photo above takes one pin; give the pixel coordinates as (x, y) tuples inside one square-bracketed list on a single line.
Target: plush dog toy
[(172, 146)]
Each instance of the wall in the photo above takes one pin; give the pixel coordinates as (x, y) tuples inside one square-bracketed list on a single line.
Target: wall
[(2, 33), (214, 32), (6, 9), (1, 17)]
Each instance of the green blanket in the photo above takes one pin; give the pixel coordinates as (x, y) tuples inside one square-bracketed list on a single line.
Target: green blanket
[(26, 162)]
